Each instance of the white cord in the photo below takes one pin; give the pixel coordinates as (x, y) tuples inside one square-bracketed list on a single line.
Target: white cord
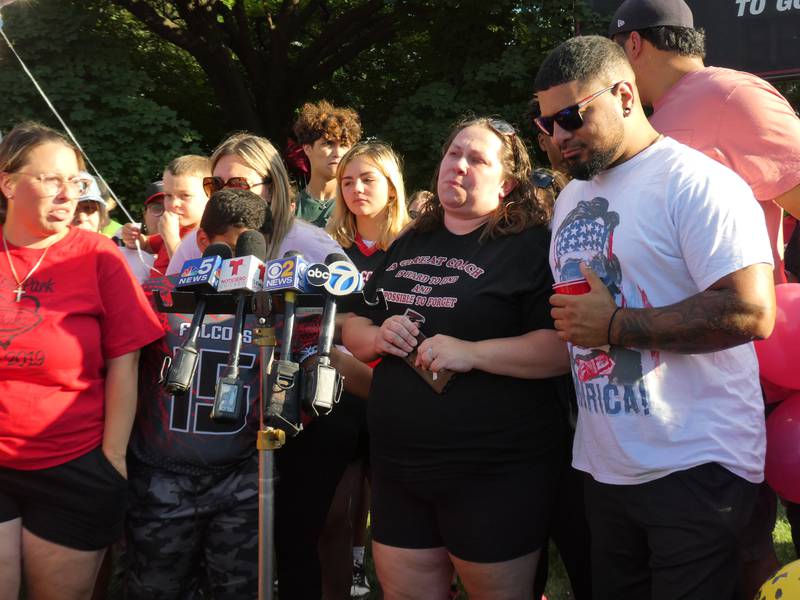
[(68, 130)]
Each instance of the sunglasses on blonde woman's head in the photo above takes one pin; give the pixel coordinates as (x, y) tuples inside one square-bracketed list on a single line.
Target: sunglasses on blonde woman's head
[(569, 118), (215, 184)]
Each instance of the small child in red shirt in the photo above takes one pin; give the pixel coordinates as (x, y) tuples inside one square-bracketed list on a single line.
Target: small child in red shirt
[(184, 202)]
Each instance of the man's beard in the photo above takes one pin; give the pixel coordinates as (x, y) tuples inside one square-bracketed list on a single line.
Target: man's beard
[(601, 158), (598, 162)]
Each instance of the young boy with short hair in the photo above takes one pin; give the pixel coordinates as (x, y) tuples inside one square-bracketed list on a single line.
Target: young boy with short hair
[(230, 212), (184, 202), (326, 134), (193, 482)]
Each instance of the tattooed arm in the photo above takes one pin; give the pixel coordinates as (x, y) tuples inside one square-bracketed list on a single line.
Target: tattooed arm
[(736, 309)]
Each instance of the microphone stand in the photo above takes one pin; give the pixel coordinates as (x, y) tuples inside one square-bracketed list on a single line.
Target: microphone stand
[(268, 440)]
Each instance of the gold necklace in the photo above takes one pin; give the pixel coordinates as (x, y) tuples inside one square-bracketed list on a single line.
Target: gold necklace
[(19, 291)]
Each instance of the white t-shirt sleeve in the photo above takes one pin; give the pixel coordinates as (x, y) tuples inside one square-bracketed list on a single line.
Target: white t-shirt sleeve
[(311, 241), (720, 225), (186, 250)]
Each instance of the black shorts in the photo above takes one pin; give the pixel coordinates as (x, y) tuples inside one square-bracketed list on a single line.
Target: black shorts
[(79, 504), (480, 518), (674, 537), (757, 535)]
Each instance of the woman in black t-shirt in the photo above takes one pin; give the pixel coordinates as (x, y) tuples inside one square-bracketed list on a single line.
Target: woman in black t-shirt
[(465, 477)]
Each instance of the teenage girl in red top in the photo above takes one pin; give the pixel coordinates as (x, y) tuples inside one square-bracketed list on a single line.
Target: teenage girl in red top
[(369, 213)]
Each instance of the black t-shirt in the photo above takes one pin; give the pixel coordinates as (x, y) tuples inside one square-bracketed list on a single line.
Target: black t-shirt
[(367, 259), (473, 291)]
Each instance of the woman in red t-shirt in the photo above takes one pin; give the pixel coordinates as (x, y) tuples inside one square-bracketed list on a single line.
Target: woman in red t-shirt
[(72, 321)]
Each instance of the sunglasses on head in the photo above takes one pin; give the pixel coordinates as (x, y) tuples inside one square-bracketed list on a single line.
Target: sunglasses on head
[(569, 118), (215, 184), (502, 127)]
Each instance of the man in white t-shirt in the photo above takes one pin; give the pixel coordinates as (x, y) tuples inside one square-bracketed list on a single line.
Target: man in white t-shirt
[(674, 246), (739, 120)]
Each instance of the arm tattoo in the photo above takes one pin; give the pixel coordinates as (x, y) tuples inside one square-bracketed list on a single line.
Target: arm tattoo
[(706, 322)]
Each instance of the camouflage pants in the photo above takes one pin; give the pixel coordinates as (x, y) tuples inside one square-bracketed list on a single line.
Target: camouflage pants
[(184, 533)]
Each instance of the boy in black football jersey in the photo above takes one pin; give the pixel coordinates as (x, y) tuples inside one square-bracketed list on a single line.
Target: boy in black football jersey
[(193, 482), (193, 517)]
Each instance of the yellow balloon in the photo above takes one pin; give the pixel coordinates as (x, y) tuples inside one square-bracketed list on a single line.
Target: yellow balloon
[(783, 585)]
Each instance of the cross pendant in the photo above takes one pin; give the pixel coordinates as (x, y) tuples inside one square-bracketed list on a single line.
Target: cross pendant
[(19, 292)]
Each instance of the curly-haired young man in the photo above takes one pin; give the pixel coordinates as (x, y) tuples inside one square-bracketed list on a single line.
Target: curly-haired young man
[(326, 133)]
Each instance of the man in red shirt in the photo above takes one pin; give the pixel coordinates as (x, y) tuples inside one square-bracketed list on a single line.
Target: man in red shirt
[(735, 118)]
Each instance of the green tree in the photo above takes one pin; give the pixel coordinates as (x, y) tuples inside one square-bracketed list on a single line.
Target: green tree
[(468, 57), (264, 58), (80, 52)]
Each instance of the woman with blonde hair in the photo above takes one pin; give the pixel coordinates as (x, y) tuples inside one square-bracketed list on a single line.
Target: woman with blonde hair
[(369, 214), (370, 198), (250, 162)]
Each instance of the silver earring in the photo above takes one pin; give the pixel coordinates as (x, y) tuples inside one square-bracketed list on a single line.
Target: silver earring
[(626, 111)]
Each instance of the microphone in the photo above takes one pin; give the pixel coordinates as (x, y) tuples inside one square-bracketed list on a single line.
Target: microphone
[(338, 277), (343, 278), (286, 274), (251, 249), (201, 276), (245, 273)]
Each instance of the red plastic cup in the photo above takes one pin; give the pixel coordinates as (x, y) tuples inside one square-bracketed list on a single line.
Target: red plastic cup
[(575, 287)]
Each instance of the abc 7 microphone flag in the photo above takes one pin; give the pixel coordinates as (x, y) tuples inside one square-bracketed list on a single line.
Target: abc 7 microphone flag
[(340, 278)]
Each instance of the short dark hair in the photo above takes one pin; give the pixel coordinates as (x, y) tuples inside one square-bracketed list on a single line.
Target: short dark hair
[(582, 59), (231, 207), (683, 40)]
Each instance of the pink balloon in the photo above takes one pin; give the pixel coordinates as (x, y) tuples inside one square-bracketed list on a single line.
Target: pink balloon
[(774, 393), (782, 468), (777, 355)]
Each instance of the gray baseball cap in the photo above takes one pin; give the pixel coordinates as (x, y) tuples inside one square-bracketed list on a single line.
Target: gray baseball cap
[(633, 15), (93, 192)]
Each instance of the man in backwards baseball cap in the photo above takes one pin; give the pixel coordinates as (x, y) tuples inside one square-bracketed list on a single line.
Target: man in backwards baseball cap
[(737, 119), (643, 14)]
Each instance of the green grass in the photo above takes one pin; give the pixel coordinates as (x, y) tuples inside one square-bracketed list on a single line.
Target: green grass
[(782, 538)]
